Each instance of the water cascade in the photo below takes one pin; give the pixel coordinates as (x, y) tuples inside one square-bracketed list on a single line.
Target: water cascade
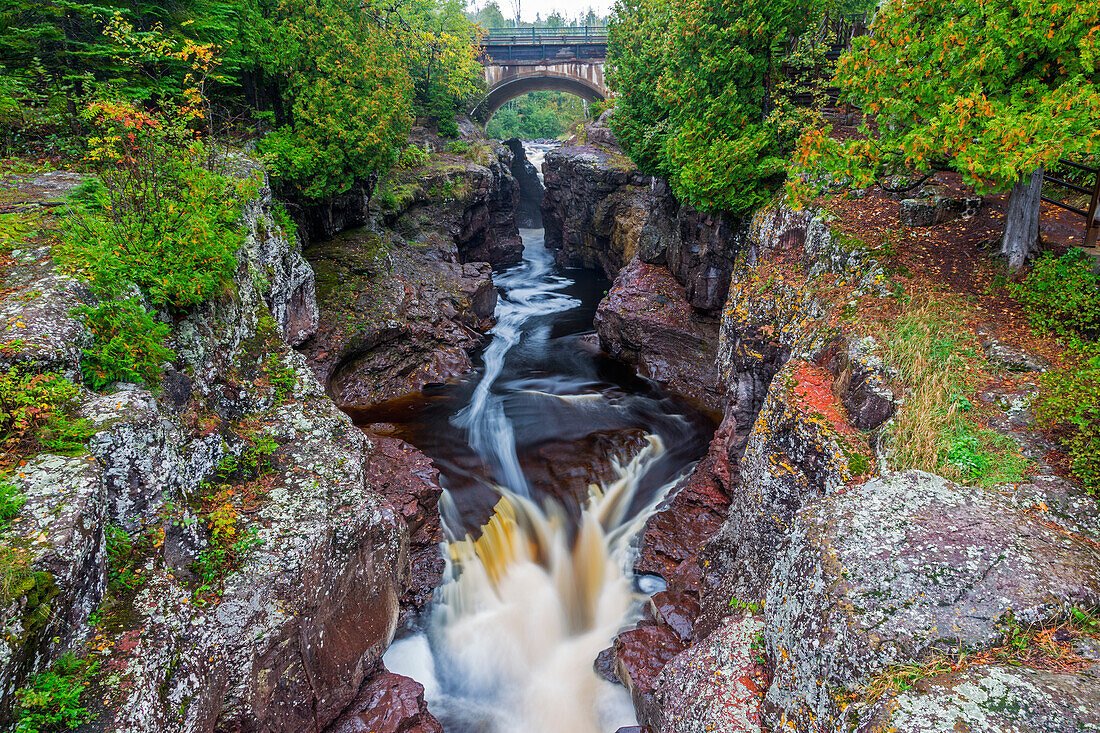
[(537, 586)]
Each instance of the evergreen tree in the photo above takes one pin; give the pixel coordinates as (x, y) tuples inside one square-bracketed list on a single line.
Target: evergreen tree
[(699, 93), (993, 89)]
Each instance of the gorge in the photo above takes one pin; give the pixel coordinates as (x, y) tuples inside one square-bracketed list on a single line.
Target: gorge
[(632, 470)]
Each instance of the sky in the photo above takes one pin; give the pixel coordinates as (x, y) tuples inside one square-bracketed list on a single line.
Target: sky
[(528, 8)]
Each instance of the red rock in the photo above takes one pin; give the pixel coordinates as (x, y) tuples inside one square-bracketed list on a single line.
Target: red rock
[(640, 655), (388, 703), (604, 665), (646, 320), (677, 611)]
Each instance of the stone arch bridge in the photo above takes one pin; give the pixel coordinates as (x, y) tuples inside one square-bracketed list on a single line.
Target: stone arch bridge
[(521, 60)]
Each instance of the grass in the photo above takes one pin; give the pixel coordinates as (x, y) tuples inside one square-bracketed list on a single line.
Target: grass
[(935, 429), (1041, 647)]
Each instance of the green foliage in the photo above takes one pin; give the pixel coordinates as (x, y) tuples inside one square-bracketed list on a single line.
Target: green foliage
[(50, 702), (282, 378), (11, 501), (35, 413), (984, 456), (1069, 402), (355, 76), (158, 219), (124, 553), (220, 557), (755, 607), (346, 99), (413, 156), (934, 429), (992, 89), (536, 115), (701, 93), (128, 347), (1062, 294)]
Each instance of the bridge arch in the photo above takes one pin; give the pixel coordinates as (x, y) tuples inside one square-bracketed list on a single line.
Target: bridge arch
[(583, 80)]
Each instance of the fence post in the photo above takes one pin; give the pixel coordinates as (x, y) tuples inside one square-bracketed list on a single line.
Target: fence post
[(1092, 221)]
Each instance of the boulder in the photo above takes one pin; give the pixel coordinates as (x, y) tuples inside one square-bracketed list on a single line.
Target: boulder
[(935, 205), (388, 703), (717, 684), (884, 572), (801, 448), (992, 699), (647, 321), (640, 655)]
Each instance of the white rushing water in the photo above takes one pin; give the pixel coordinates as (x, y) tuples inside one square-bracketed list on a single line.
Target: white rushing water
[(527, 290), (526, 607)]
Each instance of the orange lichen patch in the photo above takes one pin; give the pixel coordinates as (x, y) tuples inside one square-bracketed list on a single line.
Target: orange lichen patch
[(813, 386)]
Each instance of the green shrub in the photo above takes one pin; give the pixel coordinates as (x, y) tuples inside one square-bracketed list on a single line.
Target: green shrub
[(458, 147), (129, 344), (34, 413), (413, 156), (1062, 294), (51, 700), (282, 378), (124, 552), (11, 501), (178, 247), (1069, 402)]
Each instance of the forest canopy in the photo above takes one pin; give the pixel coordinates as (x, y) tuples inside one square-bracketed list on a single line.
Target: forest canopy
[(336, 83)]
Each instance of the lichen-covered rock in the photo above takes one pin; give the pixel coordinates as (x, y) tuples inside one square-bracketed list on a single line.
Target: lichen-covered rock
[(274, 258), (935, 205), (993, 700), (37, 327), (646, 320), (717, 684), (881, 573), (302, 623), (58, 572), (144, 453), (800, 449)]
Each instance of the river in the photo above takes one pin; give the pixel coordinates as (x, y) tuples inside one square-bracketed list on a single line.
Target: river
[(551, 457)]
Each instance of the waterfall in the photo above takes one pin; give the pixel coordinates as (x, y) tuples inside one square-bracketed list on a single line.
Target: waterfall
[(524, 611)]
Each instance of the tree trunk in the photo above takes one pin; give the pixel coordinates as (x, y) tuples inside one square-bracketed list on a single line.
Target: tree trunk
[(1021, 239)]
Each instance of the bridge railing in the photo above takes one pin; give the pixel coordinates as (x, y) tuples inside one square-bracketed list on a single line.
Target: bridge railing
[(540, 36)]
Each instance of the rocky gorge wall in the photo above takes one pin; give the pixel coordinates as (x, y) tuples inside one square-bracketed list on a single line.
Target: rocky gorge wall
[(800, 566), (341, 526), (405, 298)]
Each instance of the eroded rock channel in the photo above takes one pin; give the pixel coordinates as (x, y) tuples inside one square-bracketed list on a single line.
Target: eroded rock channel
[(630, 470)]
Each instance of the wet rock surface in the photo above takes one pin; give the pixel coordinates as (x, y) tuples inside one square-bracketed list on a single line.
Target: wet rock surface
[(529, 208), (882, 572), (388, 703), (409, 481), (640, 655), (646, 320)]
